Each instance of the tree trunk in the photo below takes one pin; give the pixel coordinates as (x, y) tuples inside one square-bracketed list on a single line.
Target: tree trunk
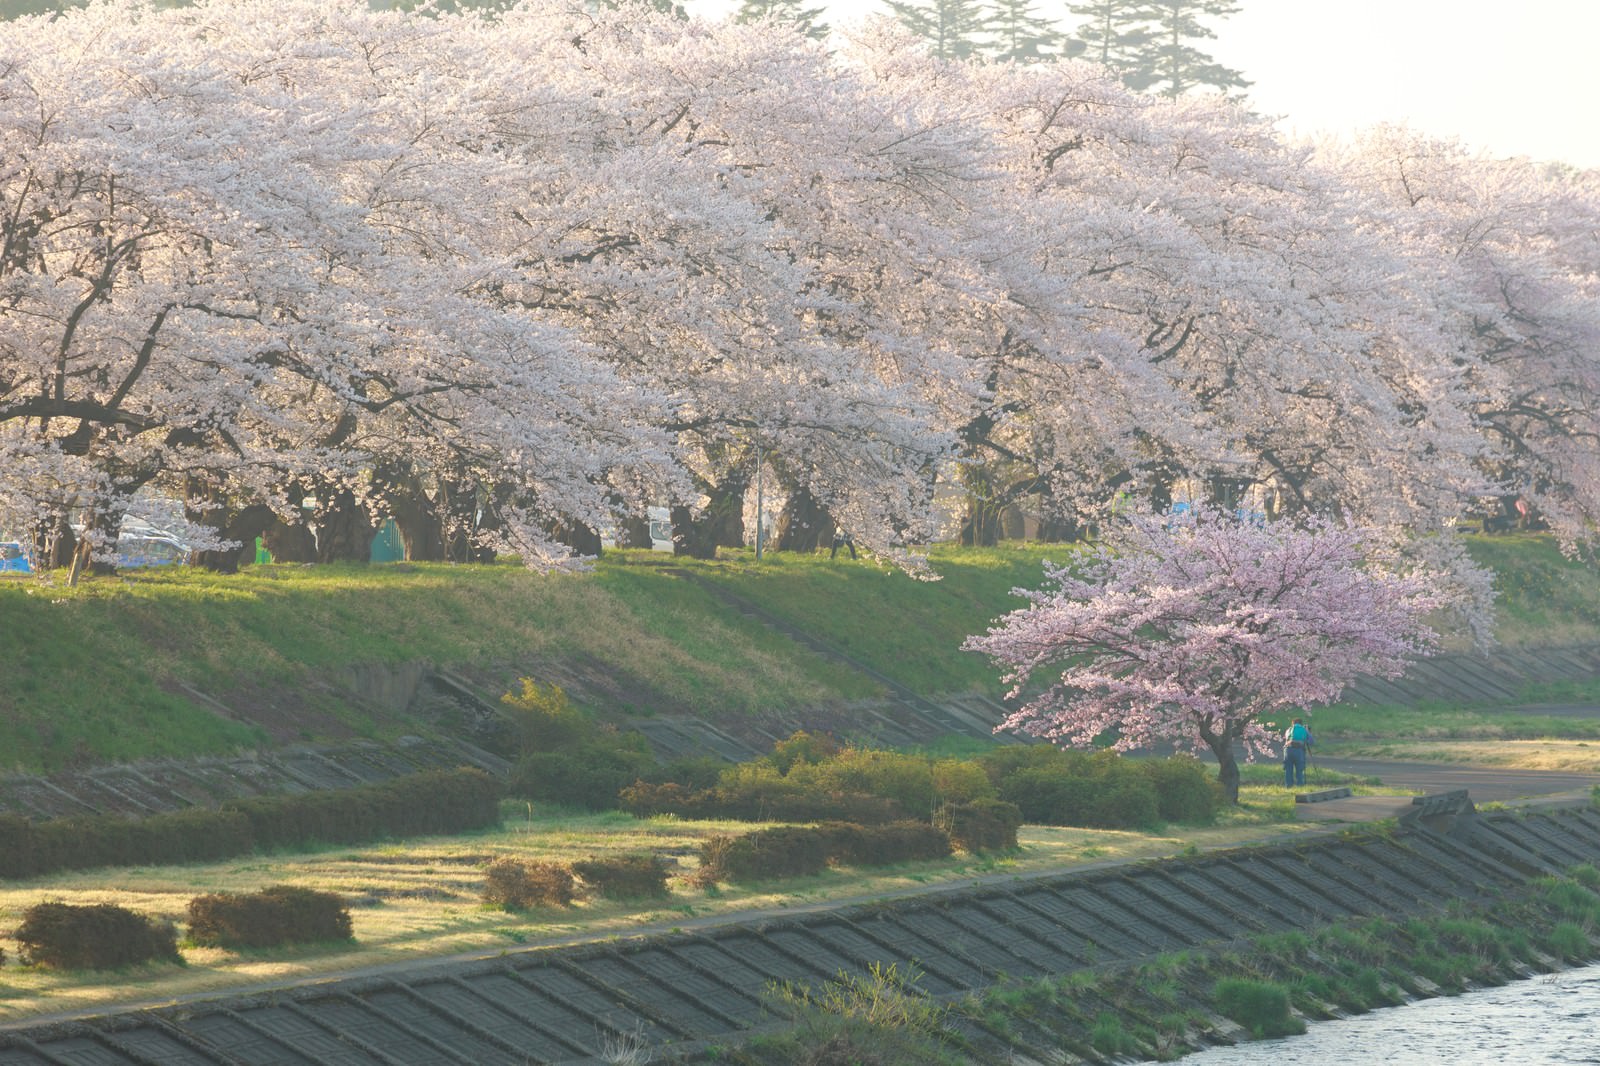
[(290, 544), (804, 524), (691, 538), (635, 532), (344, 529), (1227, 766), (252, 522)]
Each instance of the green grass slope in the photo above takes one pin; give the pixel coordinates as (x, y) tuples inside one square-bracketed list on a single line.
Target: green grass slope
[(121, 668)]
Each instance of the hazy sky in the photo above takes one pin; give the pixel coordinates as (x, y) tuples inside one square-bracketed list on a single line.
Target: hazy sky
[(1513, 77)]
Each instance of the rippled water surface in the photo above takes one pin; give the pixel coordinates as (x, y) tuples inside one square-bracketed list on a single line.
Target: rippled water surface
[(1540, 1021)]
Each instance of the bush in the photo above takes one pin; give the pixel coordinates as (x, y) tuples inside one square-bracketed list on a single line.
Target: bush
[(782, 851), (1185, 790), (625, 877), (1049, 796), (591, 775), (884, 845), (755, 792), (961, 781), (431, 803), (802, 747), (96, 937), (1260, 1006), (906, 780), (982, 825), (280, 914), (517, 885), (545, 720), (697, 773)]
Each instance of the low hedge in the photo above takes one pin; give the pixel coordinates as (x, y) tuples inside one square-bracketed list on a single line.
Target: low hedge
[(757, 800), (800, 851), (625, 876), (95, 937), (517, 885), (884, 845), (280, 914), (782, 851), (982, 825), (434, 802)]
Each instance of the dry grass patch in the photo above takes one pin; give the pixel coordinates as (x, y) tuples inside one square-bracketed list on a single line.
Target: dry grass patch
[(423, 899), (1564, 756)]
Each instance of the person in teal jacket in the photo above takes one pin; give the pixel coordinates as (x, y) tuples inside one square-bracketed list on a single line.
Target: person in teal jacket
[(1296, 746)]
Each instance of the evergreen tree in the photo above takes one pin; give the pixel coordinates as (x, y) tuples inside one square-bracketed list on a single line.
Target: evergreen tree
[(1113, 31), (805, 19), (1148, 42), (1022, 35), (955, 27)]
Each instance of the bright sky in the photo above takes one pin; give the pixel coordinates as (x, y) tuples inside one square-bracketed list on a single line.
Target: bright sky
[(1511, 77)]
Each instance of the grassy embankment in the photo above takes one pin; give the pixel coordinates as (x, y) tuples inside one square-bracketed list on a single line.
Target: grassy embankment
[(102, 672), (109, 670)]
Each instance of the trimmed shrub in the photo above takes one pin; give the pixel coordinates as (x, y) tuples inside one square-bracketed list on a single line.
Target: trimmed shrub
[(756, 793), (884, 845), (906, 780), (802, 747), (699, 772), (982, 825), (95, 937), (431, 803), (782, 851), (517, 885), (591, 775), (1185, 790), (961, 781), (1049, 795), (280, 914), (626, 876)]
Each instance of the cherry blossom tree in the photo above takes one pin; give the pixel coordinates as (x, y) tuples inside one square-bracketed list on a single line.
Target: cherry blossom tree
[(1190, 629)]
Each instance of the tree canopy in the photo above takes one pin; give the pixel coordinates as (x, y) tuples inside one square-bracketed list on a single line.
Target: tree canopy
[(1190, 628), (258, 253)]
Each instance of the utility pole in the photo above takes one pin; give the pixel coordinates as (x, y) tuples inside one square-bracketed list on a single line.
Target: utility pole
[(760, 508)]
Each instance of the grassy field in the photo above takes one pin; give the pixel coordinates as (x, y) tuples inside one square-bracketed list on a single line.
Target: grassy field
[(421, 899)]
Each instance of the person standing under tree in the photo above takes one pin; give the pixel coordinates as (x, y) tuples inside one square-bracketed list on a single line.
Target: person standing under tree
[(1297, 744)]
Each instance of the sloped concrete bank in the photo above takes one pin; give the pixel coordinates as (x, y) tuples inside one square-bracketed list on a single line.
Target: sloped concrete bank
[(683, 993)]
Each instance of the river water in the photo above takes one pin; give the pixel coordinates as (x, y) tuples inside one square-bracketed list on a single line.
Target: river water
[(1535, 1022)]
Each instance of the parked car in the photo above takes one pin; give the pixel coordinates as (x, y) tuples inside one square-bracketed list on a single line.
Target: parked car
[(14, 558), (149, 549)]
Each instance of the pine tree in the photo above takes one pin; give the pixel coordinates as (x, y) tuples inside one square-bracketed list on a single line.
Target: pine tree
[(1148, 43), (1021, 35), (805, 19), (1113, 31), (955, 27)]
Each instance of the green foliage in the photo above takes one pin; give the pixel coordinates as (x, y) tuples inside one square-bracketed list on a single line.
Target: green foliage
[(781, 851), (1569, 940), (883, 998), (1100, 790), (591, 776), (545, 719), (801, 747), (280, 914), (1108, 1036), (625, 876), (95, 937), (517, 885), (430, 803), (849, 844), (1260, 1006), (1186, 791), (905, 780), (982, 826)]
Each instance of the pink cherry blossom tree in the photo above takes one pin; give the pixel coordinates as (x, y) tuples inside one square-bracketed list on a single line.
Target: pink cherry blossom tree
[(1191, 629)]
